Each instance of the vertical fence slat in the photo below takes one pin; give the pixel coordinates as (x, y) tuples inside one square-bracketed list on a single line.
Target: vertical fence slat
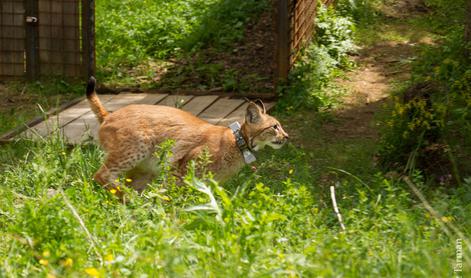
[(295, 27), (88, 37), (283, 39), (32, 43)]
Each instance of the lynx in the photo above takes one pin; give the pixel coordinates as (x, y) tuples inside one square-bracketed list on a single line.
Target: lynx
[(130, 136)]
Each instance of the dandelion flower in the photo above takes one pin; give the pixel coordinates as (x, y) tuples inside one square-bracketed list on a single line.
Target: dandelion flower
[(43, 262), (109, 258), (92, 272), (68, 262), (128, 180), (46, 253), (113, 191)]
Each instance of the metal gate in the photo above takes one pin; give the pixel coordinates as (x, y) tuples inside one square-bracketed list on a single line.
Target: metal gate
[(46, 38)]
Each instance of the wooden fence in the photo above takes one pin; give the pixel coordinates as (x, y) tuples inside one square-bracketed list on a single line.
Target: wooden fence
[(46, 37), (294, 21)]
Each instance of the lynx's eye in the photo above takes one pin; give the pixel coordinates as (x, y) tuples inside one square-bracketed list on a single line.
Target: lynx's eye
[(276, 127)]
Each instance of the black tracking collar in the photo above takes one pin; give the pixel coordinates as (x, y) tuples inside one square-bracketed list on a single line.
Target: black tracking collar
[(249, 157)]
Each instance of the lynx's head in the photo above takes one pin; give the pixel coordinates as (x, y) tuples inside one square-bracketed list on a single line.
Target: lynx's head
[(262, 129)]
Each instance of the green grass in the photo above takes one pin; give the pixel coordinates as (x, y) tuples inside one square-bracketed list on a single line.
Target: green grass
[(276, 221), (23, 101), (139, 40), (273, 220)]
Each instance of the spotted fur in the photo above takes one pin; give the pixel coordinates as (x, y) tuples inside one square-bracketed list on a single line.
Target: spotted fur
[(130, 136)]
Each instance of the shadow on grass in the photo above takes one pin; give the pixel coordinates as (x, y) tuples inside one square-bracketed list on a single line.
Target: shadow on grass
[(242, 62)]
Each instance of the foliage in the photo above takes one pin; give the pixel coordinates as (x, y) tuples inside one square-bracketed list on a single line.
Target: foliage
[(432, 132), (133, 32), (319, 63), (257, 225), (361, 11)]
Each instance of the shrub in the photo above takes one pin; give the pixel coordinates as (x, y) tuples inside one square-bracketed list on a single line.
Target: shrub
[(432, 132), (319, 62)]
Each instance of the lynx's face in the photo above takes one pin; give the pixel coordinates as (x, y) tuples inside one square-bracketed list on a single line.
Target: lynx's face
[(262, 129)]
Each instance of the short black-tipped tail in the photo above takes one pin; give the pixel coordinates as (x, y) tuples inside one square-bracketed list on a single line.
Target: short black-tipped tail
[(94, 101), (91, 86)]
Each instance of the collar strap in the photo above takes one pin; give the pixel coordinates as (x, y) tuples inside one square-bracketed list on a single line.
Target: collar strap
[(249, 157)]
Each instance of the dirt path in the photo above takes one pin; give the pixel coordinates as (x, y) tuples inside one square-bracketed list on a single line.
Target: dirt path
[(349, 139), (382, 66)]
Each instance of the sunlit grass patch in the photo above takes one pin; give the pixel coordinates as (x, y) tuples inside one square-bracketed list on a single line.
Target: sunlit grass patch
[(58, 221)]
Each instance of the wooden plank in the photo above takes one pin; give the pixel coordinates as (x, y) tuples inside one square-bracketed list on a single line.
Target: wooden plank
[(175, 100), (81, 129), (239, 114), (125, 99), (221, 108), (63, 118), (199, 104), (87, 125)]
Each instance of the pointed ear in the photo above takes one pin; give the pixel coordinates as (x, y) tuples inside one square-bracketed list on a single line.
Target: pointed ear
[(260, 103), (253, 114)]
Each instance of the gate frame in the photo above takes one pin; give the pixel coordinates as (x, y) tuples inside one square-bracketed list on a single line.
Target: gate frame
[(285, 32)]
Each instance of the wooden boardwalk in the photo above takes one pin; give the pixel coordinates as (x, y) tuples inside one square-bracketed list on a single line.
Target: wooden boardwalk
[(78, 123)]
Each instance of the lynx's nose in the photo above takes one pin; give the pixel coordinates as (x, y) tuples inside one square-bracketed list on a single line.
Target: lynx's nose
[(285, 135)]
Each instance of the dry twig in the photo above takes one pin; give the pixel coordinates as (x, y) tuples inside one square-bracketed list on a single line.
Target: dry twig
[(336, 209)]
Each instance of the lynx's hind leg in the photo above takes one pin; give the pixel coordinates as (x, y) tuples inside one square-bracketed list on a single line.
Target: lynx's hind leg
[(143, 174), (119, 162)]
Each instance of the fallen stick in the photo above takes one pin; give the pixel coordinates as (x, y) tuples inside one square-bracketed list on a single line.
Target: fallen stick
[(336, 209)]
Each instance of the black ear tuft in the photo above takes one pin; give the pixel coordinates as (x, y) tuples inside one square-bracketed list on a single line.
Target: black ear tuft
[(260, 103), (253, 114)]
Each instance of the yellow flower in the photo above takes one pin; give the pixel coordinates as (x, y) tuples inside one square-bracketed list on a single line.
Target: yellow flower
[(128, 180), (109, 258), (46, 253), (291, 171), (50, 275), (113, 191), (92, 272), (447, 219), (165, 198), (43, 262), (68, 262)]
